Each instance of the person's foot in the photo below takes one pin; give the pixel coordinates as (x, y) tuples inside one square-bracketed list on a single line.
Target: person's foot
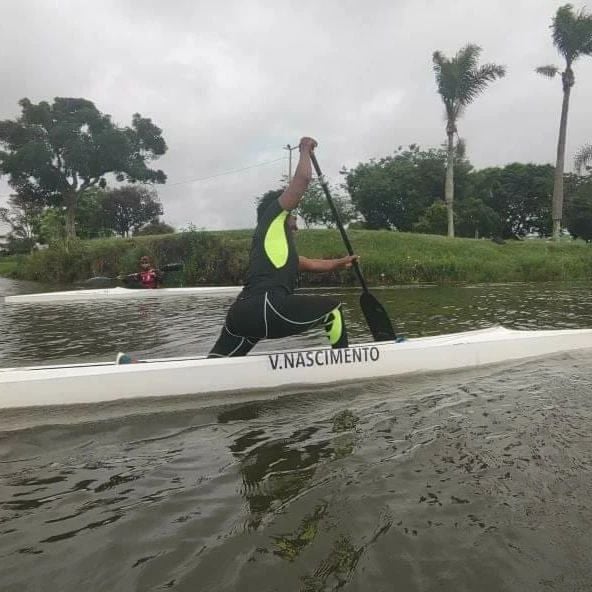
[(123, 358)]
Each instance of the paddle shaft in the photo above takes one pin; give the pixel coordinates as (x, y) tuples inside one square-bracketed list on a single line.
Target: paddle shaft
[(344, 236), (376, 316)]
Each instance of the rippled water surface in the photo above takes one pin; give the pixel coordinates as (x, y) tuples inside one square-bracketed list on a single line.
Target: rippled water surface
[(472, 480)]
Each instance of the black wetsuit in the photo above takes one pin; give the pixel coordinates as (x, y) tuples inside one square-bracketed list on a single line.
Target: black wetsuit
[(267, 307)]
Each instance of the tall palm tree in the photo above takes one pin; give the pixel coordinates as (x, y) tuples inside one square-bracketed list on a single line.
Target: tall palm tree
[(460, 81), (572, 36)]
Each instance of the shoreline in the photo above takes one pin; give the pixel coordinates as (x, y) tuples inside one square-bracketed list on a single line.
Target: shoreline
[(387, 259)]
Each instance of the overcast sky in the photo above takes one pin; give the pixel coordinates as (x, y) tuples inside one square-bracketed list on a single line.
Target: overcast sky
[(231, 83)]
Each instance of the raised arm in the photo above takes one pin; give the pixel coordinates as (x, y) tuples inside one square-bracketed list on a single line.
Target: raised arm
[(291, 197)]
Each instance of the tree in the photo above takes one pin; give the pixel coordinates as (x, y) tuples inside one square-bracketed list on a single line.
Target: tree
[(130, 207), (23, 216), (70, 146), (314, 207), (433, 220), (93, 220), (520, 195), (154, 227), (395, 191), (460, 81), (572, 36), (578, 212), (52, 229), (476, 219)]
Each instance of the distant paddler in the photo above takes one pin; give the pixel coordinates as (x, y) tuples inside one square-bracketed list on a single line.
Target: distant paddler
[(149, 275)]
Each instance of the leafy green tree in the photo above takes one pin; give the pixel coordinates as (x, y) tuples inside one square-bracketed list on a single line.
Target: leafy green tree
[(23, 216), (154, 227), (70, 146), (572, 36), (476, 219), (578, 214), (434, 220), (395, 191), (372, 190), (473, 219), (52, 228), (93, 220), (128, 208), (460, 81), (520, 195), (314, 208)]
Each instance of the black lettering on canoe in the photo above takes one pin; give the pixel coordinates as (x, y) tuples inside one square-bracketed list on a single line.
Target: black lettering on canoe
[(374, 354), (336, 356), (300, 360), (273, 360), (288, 360), (309, 359)]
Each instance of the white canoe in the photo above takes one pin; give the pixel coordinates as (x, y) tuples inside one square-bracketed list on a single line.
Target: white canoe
[(98, 382), (116, 293)]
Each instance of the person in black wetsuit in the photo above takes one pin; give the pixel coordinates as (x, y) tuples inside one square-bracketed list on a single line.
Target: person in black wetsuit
[(267, 307)]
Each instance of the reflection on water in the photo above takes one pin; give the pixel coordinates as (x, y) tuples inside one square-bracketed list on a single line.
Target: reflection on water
[(467, 481), (472, 480)]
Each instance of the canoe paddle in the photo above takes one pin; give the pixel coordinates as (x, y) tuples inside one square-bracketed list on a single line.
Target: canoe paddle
[(376, 316)]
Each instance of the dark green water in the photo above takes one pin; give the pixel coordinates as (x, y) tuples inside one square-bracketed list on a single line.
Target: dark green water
[(472, 480)]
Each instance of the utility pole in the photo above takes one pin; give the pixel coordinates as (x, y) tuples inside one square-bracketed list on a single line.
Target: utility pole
[(289, 149)]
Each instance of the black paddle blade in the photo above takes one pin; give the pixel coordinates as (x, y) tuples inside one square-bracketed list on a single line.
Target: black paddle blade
[(377, 318)]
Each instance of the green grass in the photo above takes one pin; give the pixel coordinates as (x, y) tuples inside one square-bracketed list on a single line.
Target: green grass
[(220, 257), (8, 265), (403, 258)]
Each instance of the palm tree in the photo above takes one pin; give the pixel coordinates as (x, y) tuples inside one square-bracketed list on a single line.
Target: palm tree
[(460, 81), (572, 36)]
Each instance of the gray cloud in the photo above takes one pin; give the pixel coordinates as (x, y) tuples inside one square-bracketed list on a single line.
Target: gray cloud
[(230, 84)]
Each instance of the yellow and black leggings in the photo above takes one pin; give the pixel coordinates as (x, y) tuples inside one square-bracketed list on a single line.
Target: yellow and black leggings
[(276, 314)]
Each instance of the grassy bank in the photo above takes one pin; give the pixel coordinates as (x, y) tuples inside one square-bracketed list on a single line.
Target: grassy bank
[(8, 265), (386, 257)]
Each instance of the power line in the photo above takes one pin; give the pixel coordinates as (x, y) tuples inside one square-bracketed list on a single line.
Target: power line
[(227, 172), (231, 172)]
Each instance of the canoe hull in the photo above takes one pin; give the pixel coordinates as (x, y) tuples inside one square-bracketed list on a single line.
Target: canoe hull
[(118, 293), (94, 383)]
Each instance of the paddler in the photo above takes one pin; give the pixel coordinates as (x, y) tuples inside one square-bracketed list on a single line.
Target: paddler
[(148, 276), (267, 307)]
